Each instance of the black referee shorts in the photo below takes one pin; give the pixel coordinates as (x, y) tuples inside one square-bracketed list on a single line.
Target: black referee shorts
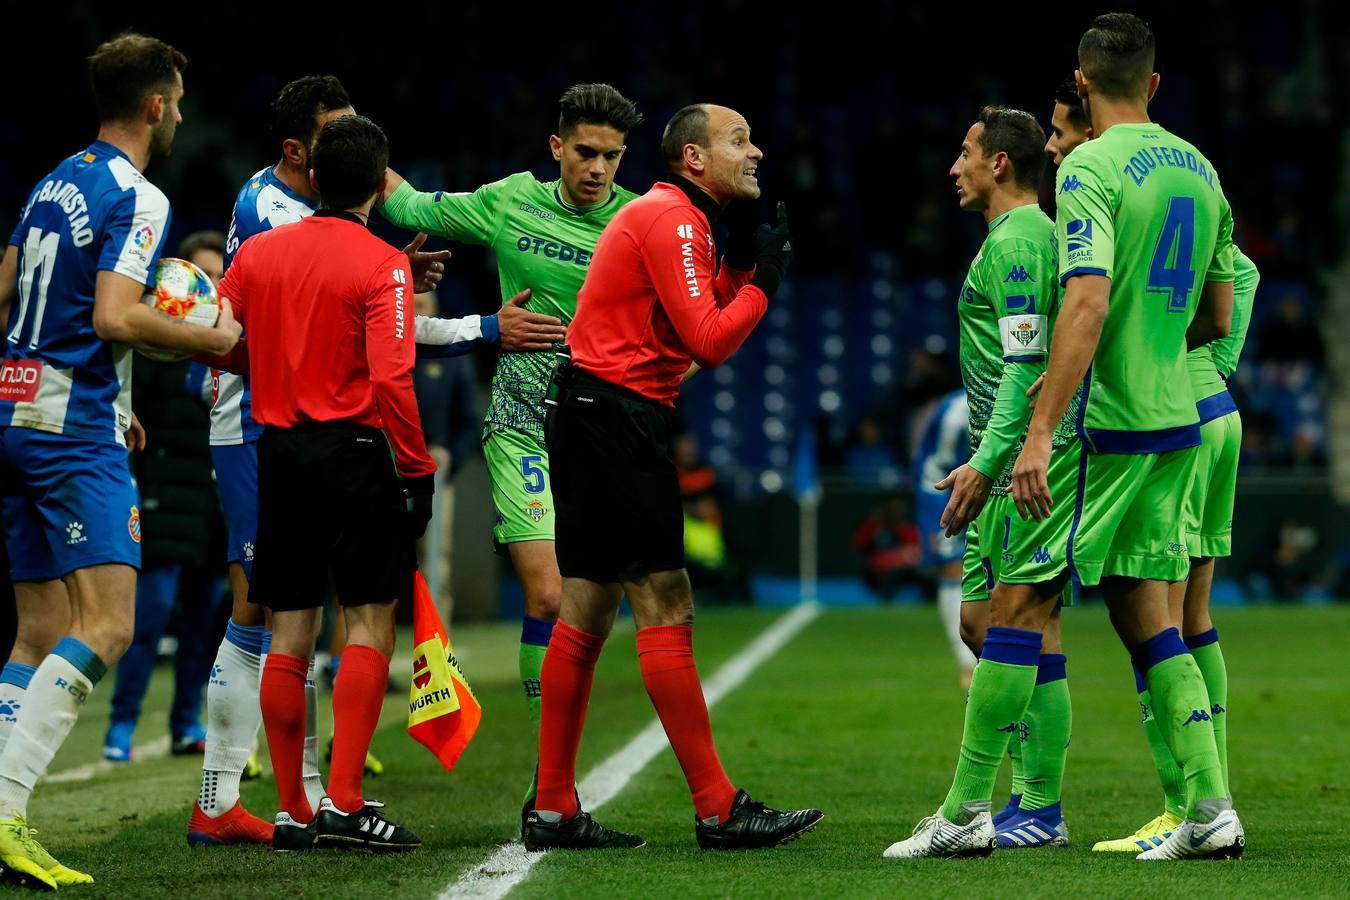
[(615, 488), (329, 507)]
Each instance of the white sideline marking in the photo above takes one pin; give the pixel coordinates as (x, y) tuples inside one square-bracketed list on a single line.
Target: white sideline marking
[(494, 878), (152, 750)]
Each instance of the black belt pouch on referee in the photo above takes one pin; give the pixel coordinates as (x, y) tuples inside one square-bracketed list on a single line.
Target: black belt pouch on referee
[(615, 488), (329, 506)]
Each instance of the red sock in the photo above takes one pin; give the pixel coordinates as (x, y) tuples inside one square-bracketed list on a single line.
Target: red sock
[(282, 696), (565, 685), (358, 694), (666, 658)]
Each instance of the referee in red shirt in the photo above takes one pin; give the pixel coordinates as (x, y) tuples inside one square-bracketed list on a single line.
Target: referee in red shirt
[(329, 312), (654, 301)]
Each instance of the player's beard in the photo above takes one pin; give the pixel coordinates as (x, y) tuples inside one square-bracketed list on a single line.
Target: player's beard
[(161, 139)]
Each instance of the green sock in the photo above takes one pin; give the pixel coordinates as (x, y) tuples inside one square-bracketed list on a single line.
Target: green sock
[(1208, 656), (533, 645), (1019, 785), (999, 693), (1181, 708), (1049, 721), (1169, 774)]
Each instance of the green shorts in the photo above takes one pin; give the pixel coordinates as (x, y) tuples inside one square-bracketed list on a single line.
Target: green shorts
[(1002, 546), (517, 466), (1208, 513), (1128, 516)]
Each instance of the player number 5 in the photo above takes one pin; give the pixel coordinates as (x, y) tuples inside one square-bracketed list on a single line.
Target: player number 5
[(529, 467)]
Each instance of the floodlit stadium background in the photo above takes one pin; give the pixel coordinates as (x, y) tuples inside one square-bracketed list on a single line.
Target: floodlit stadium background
[(860, 116)]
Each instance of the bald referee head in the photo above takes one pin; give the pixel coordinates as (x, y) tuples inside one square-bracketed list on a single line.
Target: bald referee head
[(710, 146)]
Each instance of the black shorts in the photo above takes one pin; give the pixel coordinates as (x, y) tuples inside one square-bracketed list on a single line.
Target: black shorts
[(329, 507), (615, 488)]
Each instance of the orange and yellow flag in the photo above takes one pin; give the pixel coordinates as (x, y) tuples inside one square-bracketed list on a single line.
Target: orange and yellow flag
[(443, 713)]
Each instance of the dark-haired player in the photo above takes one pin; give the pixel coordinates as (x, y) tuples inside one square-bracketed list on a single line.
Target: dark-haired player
[(1007, 309), (543, 234), (86, 246)]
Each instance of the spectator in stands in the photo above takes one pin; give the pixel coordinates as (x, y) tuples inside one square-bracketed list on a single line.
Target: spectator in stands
[(890, 543)]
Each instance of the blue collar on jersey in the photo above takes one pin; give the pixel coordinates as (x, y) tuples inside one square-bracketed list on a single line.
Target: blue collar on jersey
[(270, 176), (584, 210), (103, 148)]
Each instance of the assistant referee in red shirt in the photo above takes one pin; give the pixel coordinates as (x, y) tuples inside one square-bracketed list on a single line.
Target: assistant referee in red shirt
[(329, 312), (654, 301)]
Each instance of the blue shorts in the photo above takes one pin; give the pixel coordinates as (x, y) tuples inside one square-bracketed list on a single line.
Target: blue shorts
[(236, 468), (938, 549), (67, 503)]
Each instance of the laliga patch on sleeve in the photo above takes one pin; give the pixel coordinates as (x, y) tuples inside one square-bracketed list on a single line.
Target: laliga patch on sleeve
[(1023, 335)]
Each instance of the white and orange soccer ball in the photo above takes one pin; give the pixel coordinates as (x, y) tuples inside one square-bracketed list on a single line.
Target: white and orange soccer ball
[(183, 291)]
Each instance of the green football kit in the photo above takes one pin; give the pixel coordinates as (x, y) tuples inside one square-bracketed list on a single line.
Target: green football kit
[(543, 243), (1007, 309), (1143, 208), (1208, 513)]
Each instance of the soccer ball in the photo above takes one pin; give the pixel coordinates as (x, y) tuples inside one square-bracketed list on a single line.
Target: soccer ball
[(182, 291)]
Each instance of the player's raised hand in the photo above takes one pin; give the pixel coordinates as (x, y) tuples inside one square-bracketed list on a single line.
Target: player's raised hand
[(970, 491), (427, 268), (1030, 488), (525, 330)]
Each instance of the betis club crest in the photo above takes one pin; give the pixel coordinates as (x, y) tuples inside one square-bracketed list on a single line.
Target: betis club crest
[(1025, 333)]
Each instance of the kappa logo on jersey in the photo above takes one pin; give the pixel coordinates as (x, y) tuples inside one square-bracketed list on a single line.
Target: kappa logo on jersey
[(1197, 715), (1018, 273), (1079, 234), (1070, 184), (1042, 555), (134, 525), (686, 232), (1021, 729), (1175, 549), (536, 510), (75, 532)]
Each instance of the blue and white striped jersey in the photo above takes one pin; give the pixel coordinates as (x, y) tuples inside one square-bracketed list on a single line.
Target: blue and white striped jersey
[(94, 212), (946, 441), (264, 202)]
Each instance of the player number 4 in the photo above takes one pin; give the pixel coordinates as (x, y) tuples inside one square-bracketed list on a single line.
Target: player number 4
[(529, 467), (1170, 270)]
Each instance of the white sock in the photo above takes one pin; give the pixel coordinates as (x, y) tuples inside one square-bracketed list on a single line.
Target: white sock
[(55, 695), (309, 770), (13, 693), (949, 608), (233, 715)]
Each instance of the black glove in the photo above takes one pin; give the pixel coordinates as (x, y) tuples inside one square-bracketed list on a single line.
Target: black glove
[(775, 252), (417, 493), (742, 220)]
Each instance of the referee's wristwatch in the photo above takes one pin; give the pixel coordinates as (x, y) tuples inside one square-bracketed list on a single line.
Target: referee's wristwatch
[(417, 493)]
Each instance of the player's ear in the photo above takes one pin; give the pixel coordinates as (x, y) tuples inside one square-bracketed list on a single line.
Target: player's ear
[(1153, 81), (157, 102), (314, 182), (555, 144), (1082, 82), (293, 151), (693, 158)]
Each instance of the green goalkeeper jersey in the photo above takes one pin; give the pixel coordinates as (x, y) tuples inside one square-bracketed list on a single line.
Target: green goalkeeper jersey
[(1220, 358), (1007, 309), (541, 242), (1143, 208)]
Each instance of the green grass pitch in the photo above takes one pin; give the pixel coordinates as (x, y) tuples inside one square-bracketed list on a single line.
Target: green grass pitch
[(860, 715)]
